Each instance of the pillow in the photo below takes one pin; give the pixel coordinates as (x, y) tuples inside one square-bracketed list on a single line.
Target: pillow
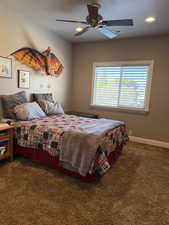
[(10, 101), (29, 111), (51, 108), (39, 97)]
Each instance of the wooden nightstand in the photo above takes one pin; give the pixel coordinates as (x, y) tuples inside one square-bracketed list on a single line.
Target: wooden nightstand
[(6, 142), (88, 115)]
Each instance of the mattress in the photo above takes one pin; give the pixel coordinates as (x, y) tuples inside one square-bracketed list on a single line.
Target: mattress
[(45, 133)]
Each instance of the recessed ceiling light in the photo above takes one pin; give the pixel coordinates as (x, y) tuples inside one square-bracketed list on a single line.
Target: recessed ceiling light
[(79, 29), (150, 19)]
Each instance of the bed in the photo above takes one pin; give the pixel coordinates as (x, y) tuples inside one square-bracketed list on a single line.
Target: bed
[(82, 147), (40, 140)]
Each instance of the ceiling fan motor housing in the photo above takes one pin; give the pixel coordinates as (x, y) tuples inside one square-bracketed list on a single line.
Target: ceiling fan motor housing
[(94, 21)]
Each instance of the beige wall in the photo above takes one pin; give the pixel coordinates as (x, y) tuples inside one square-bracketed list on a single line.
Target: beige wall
[(154, 125), (17, 32)]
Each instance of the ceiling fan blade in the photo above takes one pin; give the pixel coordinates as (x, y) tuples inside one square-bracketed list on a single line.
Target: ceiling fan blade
[(127, 22), (83, 31), (72, 21), (107, 33), (93, 10)]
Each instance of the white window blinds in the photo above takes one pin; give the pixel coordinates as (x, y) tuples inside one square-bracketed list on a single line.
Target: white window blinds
[(121, 86)]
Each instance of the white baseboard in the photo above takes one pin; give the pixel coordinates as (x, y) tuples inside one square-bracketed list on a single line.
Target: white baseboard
[(149, 142)]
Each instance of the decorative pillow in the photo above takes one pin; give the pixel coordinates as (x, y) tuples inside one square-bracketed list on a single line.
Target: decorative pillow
[(51, 108), (39, 97), (10, 101), (29, 111)]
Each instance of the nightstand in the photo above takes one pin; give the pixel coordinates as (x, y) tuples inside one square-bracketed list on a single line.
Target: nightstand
[(6, 141), (88, 115)]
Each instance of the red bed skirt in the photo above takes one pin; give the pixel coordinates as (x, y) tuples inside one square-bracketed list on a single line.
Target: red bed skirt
[(44, 158)]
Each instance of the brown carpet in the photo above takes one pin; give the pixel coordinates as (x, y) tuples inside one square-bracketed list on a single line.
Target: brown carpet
[(134, 192)]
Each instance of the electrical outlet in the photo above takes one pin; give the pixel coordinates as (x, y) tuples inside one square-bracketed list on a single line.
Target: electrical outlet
[(130, 132)]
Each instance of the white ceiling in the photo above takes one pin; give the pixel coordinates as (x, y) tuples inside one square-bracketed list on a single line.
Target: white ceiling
[(46, 11)]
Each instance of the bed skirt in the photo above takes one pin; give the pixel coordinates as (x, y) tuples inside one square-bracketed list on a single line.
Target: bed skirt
[(43, 157)]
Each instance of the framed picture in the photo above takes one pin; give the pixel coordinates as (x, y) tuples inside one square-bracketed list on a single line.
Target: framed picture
[(5, 67), (23, 79)]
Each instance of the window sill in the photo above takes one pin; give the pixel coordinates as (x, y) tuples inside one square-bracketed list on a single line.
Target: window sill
[(125, 110)]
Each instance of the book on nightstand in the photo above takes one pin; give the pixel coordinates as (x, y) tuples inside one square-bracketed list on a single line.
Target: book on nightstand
[(3, 147), (6, 141)]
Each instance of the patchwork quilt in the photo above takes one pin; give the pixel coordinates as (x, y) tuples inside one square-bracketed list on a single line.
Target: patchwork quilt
[(45, 133)]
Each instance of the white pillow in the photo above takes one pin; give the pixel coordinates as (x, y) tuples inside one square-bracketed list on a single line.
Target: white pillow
[(51, 108), (28, 111)]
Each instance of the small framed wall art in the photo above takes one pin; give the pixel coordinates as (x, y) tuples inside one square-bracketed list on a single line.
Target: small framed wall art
[(23, 79), (5, 67)]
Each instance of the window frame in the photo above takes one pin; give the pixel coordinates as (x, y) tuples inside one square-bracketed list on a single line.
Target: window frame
[(149, 63)]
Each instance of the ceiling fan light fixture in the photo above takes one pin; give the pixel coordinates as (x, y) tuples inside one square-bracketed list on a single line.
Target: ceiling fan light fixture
[(150, 19), (79, 29)]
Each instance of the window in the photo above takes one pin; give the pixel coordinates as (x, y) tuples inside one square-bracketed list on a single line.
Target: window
[(122, 85)]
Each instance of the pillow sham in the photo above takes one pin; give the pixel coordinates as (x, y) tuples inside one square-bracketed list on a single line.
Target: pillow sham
[(29, 111), (51, 108), (39, 97), (10, 101)]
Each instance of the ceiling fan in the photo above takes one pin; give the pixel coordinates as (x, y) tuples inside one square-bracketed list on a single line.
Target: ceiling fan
[(95, 20)]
